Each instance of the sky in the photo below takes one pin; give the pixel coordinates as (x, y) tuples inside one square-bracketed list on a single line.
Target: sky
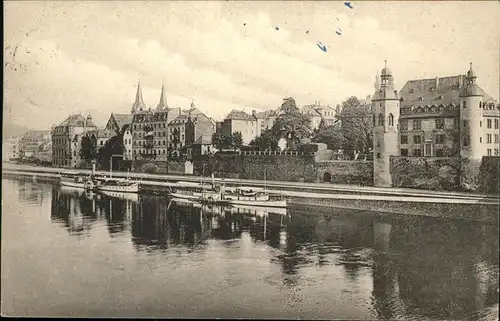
[(67, 57)]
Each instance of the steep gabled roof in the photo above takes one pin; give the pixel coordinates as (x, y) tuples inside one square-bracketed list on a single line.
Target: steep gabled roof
[(239, 115), (74, 120), (123, 119)]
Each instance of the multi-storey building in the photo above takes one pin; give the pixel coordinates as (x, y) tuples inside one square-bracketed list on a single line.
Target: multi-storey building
[(10, 149), (150, 128), (444, 116), (66, 140), (264, 120), (186, 128), (317, 112), (433, 117), (239, 121), (127, 142), (31, 141)]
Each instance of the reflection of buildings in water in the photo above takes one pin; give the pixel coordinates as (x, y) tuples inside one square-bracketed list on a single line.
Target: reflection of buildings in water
[(31, 191), (430, 268), (76, 210), (117, 212), (150, 226)]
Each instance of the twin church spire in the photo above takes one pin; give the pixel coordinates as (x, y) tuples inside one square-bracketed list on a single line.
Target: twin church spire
[(139, 104)]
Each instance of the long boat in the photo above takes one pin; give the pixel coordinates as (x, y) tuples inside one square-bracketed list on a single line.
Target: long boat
[(77, 181), (118, 185), (194, 191), (209, 193), (249, 196)]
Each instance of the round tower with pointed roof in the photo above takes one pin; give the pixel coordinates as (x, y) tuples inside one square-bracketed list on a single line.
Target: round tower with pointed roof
[(385, 117), (471, 117)]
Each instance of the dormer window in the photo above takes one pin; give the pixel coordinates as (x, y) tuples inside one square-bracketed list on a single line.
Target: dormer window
[(420, 98), (431, 89), (412, 90), (440, 97)]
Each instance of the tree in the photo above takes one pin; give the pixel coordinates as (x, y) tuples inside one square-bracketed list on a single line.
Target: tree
[(291, 123), (331, 136), (236, 140), (88, 148), (114, 146), (356, 126), (222, 140), (265, 141)]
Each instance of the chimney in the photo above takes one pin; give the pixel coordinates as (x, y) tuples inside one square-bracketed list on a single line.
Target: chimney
[(254, 112), (437, 83)]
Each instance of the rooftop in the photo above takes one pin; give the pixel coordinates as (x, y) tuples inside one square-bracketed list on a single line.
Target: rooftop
[(435, 91), (239, 115), (203, 140)]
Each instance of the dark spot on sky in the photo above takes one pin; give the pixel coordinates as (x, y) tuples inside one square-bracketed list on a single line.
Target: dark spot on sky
[(307, 31), (244, 23), (277, 28)]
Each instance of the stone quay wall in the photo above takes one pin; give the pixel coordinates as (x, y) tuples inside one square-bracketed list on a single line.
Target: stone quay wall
[(446, 173), (295, 168)]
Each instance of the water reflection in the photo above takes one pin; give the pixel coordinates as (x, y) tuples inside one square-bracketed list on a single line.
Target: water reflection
[(416, 267)]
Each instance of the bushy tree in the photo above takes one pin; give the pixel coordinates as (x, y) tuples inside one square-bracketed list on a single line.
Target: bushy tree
[(222, 140), (356, 126), (332, 136), (88, 148), (237, 140), (266, 141), (291, 123), (114, 146)]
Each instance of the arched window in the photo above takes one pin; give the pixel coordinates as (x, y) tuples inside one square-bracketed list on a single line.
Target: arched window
[(465, 104), (480, 104), (380, 120), (391, 120)]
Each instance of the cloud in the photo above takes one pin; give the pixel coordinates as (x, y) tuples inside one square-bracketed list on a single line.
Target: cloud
[(89, 56)]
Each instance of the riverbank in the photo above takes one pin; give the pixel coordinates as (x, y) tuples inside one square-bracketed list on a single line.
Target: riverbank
[(442, 205), (272, 186)]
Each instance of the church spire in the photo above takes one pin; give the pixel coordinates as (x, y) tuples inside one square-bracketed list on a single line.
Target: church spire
[(139, 102), (163, 99)]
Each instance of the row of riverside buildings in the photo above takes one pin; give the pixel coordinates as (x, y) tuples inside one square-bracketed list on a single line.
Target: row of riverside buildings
[(437, 117), (154, 134)]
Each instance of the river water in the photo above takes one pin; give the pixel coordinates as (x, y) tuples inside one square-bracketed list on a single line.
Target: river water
[(69, 253)]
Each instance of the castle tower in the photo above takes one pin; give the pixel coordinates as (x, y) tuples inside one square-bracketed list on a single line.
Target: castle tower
[(139, 102), (471, 116), (385, 115)]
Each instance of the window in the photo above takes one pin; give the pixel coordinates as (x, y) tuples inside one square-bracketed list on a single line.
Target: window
[(456, 123), (465, 104), (489, 151), (378, 155), (488, 138), (404, 139), (416, 139), (391, 120), (488, 123), (496, 123), (417, 152), (496, 151), (404, 152), (466, 140), (480, 139), (417, 124), (439, 139), (403, 124), (380, 120), (439, 123), (496, 139), (439, 153)]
